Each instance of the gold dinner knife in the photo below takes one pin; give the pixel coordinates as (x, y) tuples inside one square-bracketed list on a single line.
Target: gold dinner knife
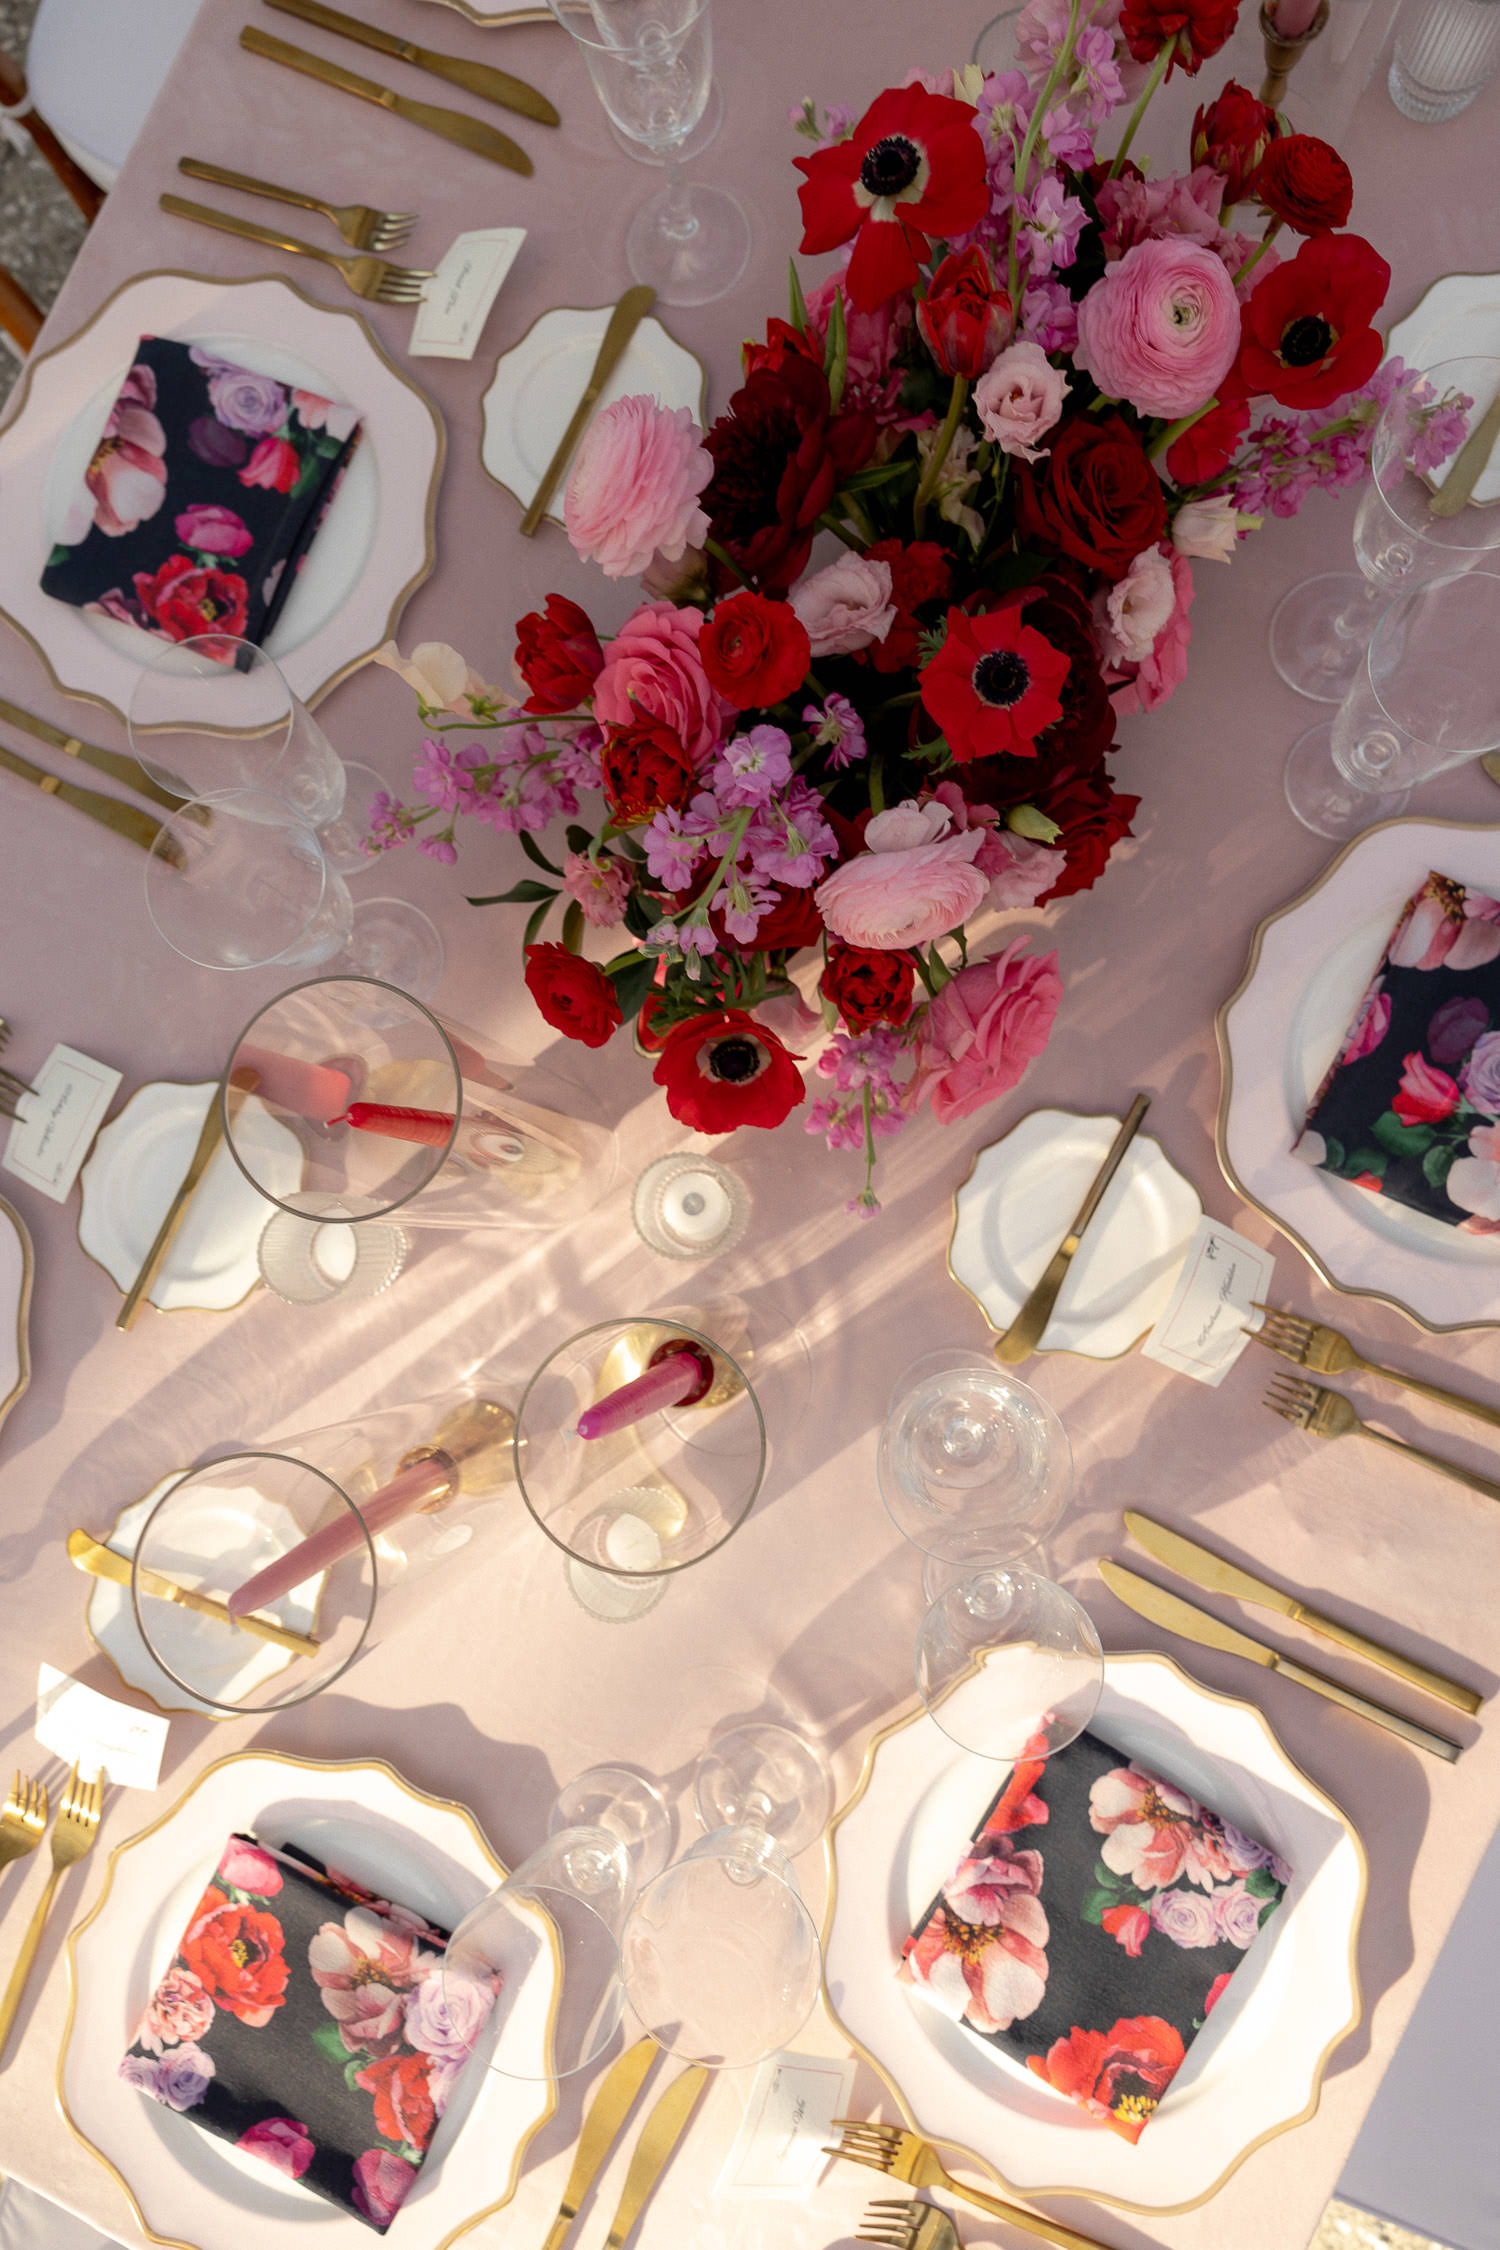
[(208, 1140), (601, 2125), (623, 323), (452, 124), (483, 79), (1025, 1332), (1220, 1576), (113, 762), (1454, 491), (126, 820), (91, 1555), (1151, 1601), (660, 2134)]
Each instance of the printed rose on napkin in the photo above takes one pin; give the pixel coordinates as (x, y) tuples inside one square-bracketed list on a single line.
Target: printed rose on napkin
[(309, 2022), (1410, 1107), (1092, 1924)]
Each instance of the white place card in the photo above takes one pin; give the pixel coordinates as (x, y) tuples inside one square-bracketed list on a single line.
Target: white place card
[(56, 1122), (456, 302), (788, 2123), (98, 1735), (1210, 1315)]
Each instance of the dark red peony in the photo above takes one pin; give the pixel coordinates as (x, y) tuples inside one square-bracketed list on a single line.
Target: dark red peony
[(1307, 335), (1202, 452), (573, 995), (913, 169), (994, 685), (1200, 28), (183, 598), (403, 2098), (725, 1070), (1096, 497), (558, 656), (755, 652), (646, 768), (1305, 184), (966, 318), (1119, 2074), (920, 573), (783, 342), (1231, 135), (869, 986), (791, 923), (236, 1954), (778, 456)]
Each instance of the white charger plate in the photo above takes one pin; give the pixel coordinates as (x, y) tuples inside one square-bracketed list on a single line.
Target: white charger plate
[(372, 551), (15, 1306), (1019, 1200), (1280, 1029), (186, 2187), (135, 1168), (1456, 317), (1255, 2070), (539, 381)]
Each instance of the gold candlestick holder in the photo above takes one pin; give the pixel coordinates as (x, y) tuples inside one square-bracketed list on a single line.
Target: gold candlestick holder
[(1283, 55)]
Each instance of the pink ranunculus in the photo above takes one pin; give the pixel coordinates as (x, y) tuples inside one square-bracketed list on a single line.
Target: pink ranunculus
[(364, 1967), (1161, 329), (1019, 398), (1425, 1096), (180, 2009), (127, 477), (633, 491), (976, 1040), (1141, 687), (846, 606), (1152, 1832), (214, 530), (893, 896), (652, 670), (1371, 1022), (275, 465), (382, 2183), (245, 1867), (281, 2142), (983, 1960), (1130, 614), (1207, 530)]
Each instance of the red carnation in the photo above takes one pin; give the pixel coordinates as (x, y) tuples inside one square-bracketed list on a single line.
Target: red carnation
[(1200, 28), (994, 685), (754, 651), (645, 768), (1212, 442), (778, 453), (558, 656), (1231, 135), (966, 318), (920, 573), (573, 995), (1305, 184), (869, 986), (725, 1070), (1306, 333), (913, 168), (1096, 496)]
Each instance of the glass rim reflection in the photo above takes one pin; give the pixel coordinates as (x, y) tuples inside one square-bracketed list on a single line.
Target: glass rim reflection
[(566, 10)]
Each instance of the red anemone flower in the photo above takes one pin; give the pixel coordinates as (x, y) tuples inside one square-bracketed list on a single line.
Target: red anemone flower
[(1306, 333), (725, 1070), (912, 168), (994, 685)]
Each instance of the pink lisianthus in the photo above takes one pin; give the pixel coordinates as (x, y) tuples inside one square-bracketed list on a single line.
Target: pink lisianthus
[(980, 1035), (1161, 329), (213, 530), (600, 886), (652, 670), (1142, 686), (281, 2142), (275, 465), (1019, 398), (633, 491), (913, 882), (1130, 614), (127, 477), (846, 606)]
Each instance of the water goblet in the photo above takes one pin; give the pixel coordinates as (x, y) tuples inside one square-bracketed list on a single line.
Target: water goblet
[(215, 713), (973, 1465), (627, 1806), (766, 1777), (1008, 1664)]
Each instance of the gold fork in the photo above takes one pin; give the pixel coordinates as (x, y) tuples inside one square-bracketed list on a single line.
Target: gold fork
[(72, 1836), (910, 2159), (1329, 1414), (1327, 1351), (368, 277), (360, 224), (23, 1816), (908, 2226)]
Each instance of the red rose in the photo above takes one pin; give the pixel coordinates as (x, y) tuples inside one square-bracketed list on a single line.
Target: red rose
[(1092, 815), (993, 686), (646, 768), (1305, 334), (1200, 28), (275, 465), (792, 922), (726, 1070), (403, 2098), (236, 1954), (754, 651), (867, 986), (1096, 496), (1425, 1095), (920, 573), (184, 599), (913, 168), (558, 656), (1211, 444), (573, 995), (1231, 135), (782, 342), (966, 318), (1306, 184)]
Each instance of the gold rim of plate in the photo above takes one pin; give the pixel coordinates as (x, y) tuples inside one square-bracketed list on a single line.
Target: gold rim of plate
[(301, 1765), (982, 2164), (191, 1086), (23, 1310)]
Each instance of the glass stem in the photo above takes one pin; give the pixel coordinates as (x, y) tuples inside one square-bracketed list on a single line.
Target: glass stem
[(678, 222), (1353, 623)]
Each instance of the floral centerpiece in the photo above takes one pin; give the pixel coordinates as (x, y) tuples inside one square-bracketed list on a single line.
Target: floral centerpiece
[(1039, 389)]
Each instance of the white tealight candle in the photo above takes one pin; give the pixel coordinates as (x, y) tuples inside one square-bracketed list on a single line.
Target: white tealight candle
[(631, 1544), (697, 1206), (334, 1252), (689, 1207)]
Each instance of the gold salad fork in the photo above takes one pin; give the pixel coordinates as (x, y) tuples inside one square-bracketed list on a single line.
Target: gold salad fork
[(360, 224), (72, 1836), (908, 2226), (1329, 1414), (368, 277), (910, 2159), (1327, 1351), (23, 1817)]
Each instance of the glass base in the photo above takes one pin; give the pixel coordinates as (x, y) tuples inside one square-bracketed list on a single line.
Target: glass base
[(702, 136), (696, 268), (627, 1807), (612, 1600), (767, 1778), (1425, 105), (343, 839), (396, 942), (1315, 645), (1320, 796)]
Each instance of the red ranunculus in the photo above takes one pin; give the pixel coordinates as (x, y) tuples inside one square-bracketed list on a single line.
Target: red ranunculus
[(573, 995), (913, 168), (1119, 2074), (966, 317), (646, 768), (1202, 452), (1096, 496), (1200, 28), (1425, 1095), (184, 599), (920, 573), (1306, 335), (778, 453), (1231, 135), (236, 1954), (725, 1070), (403, 2098), (783, 342), (869, 986), (755, 651), (993, 686), (791, 923), (1306, 184), (558, 656)]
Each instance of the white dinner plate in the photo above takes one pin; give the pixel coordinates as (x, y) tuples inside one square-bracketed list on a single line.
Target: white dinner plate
[(1021, 1197), (1456, 317), (1280, 1029), (191, 2189), (1253, 2071), (135, 1168), (15, 1306), (373, 549), (539, 381)]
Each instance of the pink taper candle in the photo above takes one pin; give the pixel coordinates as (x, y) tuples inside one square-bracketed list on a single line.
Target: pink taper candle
[(1292, 17), (424, 1481), (677, 1374), (310, 1090)]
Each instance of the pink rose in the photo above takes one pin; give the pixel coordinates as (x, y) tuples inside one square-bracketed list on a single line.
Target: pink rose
[(382, 2183), (1129, 615), (213, 530), (275, 465), (652, 670), (846, 606), (912, 883), (633, 491), (977, 1038), (1161, 329), (1209, 530), (180, 2009), (1019, 399), (282, 2142), (1425, 1096), (245, 1867), (1141, 687)]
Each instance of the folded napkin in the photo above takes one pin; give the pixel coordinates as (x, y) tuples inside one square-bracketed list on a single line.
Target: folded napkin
[(1409, 1107), (307, 2021), (202, 496), (1091, 1925)]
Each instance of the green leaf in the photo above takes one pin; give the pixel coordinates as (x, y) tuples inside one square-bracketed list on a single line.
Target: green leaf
[(798, 301), (1402, 1140), (836, 350), (352, 2069), (579, 838), (519, 894), (1261, 1883), (1439, 1162), (59, 554), (1110, 1880), (1096, 1905), (1333, 1154), (1267, 1911), (1028, 820), (633, 983), (883, 472), (537, 856), (329, 2041), (572, 930), (1366, 1160), (535, 919)]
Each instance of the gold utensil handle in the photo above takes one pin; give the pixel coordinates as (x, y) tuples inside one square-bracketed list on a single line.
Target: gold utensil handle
[(512, 17), (24, 1959), (208, 1140), (1454, 491), (1390, 1660), (347, 27), (1408, 1729), (1029, 2222), (264, 1628), (222, 176), (1434, 1391), (1449, 1469), (313, 66), (1026, 1331), (247, 230)]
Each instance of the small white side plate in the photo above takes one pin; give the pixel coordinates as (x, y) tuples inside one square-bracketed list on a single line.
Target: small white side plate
[(1457, 317), (15, 1306)]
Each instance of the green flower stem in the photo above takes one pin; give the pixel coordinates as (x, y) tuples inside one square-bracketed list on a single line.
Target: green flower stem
[(939, 454), (712, 547), (1174, 430), (1061, 64), (830, 522), (868, 1197), (1259, 251), (877, 782), (1159, 71)]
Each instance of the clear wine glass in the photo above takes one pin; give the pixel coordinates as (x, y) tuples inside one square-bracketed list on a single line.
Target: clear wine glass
[(768, 1777), (216, 713), (651, 62), (1009, 1664), (627, 1806), (973, 1465)]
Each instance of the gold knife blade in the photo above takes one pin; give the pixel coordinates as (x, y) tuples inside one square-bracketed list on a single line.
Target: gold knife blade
[(1025, 1332), (623, 323), (603, 2119), (115, 763), (483, 79), (452, 124), (1454, 491), (1154, 1602), (660, 2134), (126, 820), (208, 1140), (1220, 1576), (92, 1556)]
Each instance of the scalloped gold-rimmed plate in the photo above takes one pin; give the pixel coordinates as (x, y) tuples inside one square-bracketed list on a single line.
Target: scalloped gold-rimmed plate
[(15, 1306)]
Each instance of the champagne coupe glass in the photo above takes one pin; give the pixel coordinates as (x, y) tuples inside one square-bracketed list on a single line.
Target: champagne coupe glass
[(1427, 697), (652, 65), (767, 1777), (1321, 629), (215, 713), (1009, 1664)]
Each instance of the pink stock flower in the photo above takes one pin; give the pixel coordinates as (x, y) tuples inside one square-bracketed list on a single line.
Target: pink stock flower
[(180, 2009), (633, 491), (364, 1967), (1141, 687), (912, 883), (127, 476), (1130, 615), (600, 886), (1019, 398), (845, 606), (275, 465), (652, 670), (977, 1039), (1161, 329), (281, 2142), (1153, 1833)]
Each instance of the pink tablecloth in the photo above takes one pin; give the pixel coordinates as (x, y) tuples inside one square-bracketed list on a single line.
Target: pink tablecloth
[(506, 1688)]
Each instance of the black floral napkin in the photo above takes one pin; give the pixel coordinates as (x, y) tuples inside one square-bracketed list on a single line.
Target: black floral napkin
[(1091, 1925), (309, 2022), (202, 496), (1409, 1106)]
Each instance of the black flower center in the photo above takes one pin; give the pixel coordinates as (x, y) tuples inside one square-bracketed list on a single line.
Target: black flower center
[(1001, 678), (735, 1060), (890, 166), (1305, 341)]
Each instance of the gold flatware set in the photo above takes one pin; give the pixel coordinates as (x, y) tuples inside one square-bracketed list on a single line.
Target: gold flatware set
[(454, 125), (1328, 1414), (902, 2225), (664, 2127), (129, 821), (483, 79), (73, 1835), (907, 2157), (368, 277), (91, 1555), (360, 224)]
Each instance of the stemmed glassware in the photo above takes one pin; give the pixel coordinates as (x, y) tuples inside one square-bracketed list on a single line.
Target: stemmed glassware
[(1009, 1664)]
